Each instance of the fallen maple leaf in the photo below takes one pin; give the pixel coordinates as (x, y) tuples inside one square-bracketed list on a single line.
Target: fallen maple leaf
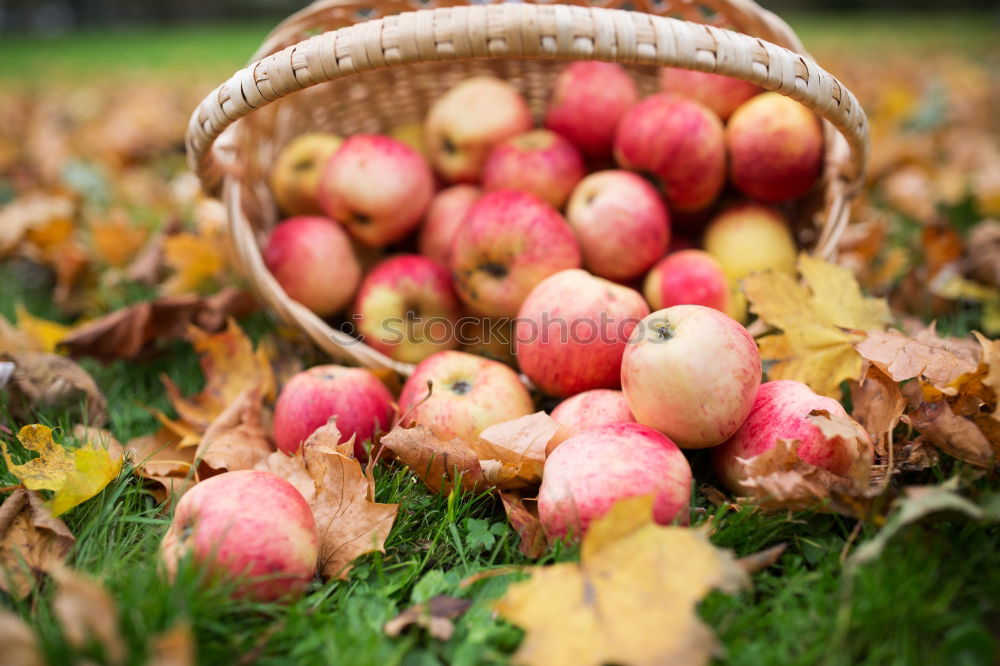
[(940, 360), (20, 646), (512, 453), (819, 324), (436, 462), (32, 541), (877, 404), (87, 612), (115, 238), (631, 600), (47, 381), (74, 476), (174, 647), (197, 261), (956, 435), (30, 333), (522, 514), (236, 439), (435, 616)]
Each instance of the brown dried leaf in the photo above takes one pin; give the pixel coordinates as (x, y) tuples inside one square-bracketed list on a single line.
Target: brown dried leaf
[(167, 466), (519, 446), (87, 612), (940, 360), (436, 462), (954, 434), (292, 469), (984, 252), (522, 514), (846, 433), (20, 646), (762, 559), (435, 616), (878, 405), (236, 439), (174, 647), (48, 381), (32, 541)]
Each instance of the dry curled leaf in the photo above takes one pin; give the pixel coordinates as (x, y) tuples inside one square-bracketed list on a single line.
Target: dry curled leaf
[(877, 404), (47, 381), (522, 514), (762, 559), (235, 440), (32, 541), (435, 616), (20, 646), (819, 323), (632, 598), (436, 462), (167, 466), (955, 435), (940, 360), (87, 612), (174, 647), (519, 448)]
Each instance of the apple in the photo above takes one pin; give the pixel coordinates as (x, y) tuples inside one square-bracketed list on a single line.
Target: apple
[(509, 242), (412, 134), (680, 143), (464, 124), (469, 394), (779, 412), (597, 467), (621, 223), (377, 187), (540, 162), (721, 94), (407, 308), (312, 260), (688, 277), (775, 148), (249, 526), (361, 403), (447, 211), (572, 330), (750, 238), (589, 409), (589, 98), (692, 373), (297, 169)]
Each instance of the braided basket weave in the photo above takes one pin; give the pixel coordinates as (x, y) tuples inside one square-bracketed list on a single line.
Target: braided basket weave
[(369, 65)]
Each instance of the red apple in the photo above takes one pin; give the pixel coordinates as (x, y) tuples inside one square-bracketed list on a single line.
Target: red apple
[(361, 403), (296, 172), (775, 148), (692, 373), (407, 308), (470, 393), (248, 526), (540, 162), (780, 411), (572, 330), (688, 277), (589, 409), (621, 223), (721, 94), (465, 123), (377, 187), (447, 211), (509, 242), (680, 143), (592, 470), (312, 260), (589, 98)]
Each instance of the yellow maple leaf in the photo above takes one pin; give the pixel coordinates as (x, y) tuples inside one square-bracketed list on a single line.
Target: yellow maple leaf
[(195, 259), (820, 321), (631, 600), (74, 476), (115, 238), (31, 333)]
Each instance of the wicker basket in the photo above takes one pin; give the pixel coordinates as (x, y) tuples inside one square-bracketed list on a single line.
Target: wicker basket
[(365, 66)]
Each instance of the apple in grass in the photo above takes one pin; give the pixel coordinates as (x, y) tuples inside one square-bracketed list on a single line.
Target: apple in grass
[(297, 170), (722, 94), (750, 238), (678, 142), (447, 211), (407, 308), (691, 372), (588, 99), (572, 330), (509, 242), (599, 466), (540, 162), (775, 148), (589, 409), (313, 261), (621, 222), (688, 277), (469, 394), (780, 411), (377, 187), (468, 120), (250, 527), (355, 396)]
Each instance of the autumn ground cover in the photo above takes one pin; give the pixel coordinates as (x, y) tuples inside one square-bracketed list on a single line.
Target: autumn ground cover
[(98, 215)]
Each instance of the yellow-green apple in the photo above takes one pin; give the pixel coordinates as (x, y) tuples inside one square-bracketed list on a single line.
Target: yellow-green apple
[(775, 148), (749, 238), (721, 94), (678, 142), (692, 373), (599, 466), (412, 134), (312, 259), (589, 409), (540, 162), (621, 223), (688, 277), (781, 410), (588, 99), (355, 396), (377, 187), (464, 124), (248, 527), (296, 172), (407, 308), (572, 330), (447, 210), (470, 393), (509, 242)]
